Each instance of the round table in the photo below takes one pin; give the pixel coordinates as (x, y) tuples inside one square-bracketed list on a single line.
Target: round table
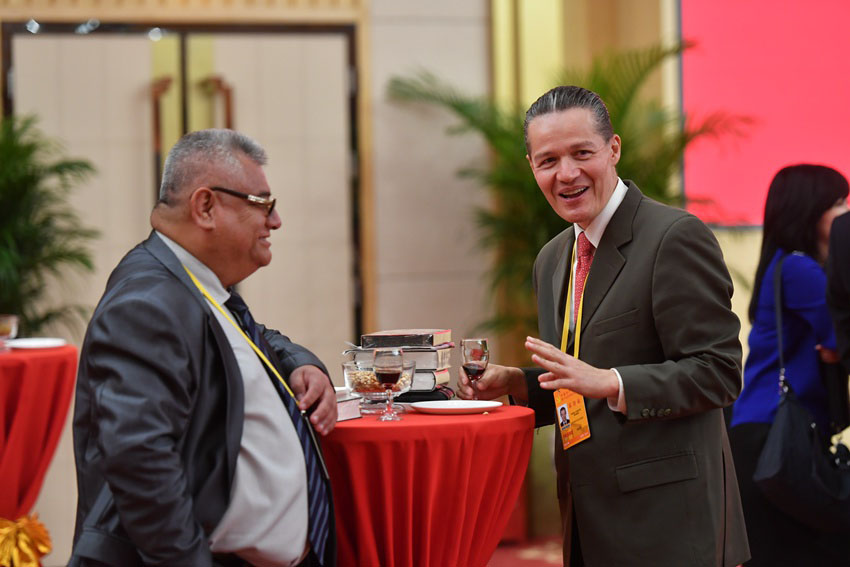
[(429, 489), (35, 392)]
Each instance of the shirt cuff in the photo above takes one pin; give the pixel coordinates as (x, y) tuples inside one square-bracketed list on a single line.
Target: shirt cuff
[(618, 403)]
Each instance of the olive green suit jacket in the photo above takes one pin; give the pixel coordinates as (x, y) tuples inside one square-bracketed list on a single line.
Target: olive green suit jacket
[(655, 486)]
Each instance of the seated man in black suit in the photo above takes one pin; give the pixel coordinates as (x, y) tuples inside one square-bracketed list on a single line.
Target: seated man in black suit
[(192, 439)]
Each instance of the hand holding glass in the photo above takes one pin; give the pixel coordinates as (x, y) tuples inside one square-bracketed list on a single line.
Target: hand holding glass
[(475, 356)]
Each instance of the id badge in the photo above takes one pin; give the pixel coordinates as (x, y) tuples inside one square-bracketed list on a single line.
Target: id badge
[(571, 417)]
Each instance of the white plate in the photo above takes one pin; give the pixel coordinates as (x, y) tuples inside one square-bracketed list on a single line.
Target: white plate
[(457, 406), (35, 342)]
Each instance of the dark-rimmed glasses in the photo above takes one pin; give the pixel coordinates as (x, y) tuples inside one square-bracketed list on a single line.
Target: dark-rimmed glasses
[(264, 202)]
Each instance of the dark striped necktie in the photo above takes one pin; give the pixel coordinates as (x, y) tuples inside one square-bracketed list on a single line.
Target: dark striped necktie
[(319, 506)]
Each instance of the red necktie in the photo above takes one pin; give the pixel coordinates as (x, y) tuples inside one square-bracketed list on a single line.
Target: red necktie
[(585, 258)]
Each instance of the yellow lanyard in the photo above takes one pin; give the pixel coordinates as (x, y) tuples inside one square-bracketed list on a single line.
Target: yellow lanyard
[(566, 329), (577, 429), (262, 356)]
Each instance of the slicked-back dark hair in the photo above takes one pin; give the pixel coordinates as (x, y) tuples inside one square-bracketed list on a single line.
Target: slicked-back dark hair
[(798, 197), (567, 97)]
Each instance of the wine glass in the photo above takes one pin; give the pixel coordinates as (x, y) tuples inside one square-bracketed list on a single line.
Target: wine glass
[(388, 366), (475, 355), (8, 330)]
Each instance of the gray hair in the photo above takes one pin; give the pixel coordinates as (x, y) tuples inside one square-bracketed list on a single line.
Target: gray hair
[(567, 97), (197, 152)]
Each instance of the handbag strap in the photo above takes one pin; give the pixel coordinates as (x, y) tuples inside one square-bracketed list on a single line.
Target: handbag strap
[(784, 386)]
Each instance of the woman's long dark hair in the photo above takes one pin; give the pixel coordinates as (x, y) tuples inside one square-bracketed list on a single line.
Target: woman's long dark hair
[(799, 195)]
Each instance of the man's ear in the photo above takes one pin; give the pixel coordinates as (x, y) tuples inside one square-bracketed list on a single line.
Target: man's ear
[(615, 148), (201, 208)]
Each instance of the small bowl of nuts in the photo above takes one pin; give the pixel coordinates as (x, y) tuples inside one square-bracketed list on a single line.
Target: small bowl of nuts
[(360, 379)]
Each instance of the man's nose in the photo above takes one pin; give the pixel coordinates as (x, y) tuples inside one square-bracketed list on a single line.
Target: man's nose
[(568, 170), (274, 221)]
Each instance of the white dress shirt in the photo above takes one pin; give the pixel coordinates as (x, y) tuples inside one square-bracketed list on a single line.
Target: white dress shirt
[(266, 520), (593, 233)]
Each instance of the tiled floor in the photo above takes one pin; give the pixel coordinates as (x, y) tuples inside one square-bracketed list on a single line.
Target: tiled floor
[(538, 553)]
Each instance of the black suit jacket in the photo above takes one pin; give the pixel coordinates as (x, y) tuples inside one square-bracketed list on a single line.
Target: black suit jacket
[(838, 285), (655, 486), (159, 413)]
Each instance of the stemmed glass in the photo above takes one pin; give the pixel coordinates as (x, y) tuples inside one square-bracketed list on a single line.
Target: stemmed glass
[(388, 366), (475, 355), (8, 330)]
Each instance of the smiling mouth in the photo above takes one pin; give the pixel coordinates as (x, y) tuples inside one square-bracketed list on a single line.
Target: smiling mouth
[(572, 194)]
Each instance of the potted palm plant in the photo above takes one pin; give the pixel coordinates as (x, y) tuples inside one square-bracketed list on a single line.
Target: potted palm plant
[(40, 235), (655, 137)]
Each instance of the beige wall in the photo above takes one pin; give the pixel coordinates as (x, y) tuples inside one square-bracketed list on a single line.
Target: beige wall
[(741, 251), (113, 131), (294, 100), (428, 269)]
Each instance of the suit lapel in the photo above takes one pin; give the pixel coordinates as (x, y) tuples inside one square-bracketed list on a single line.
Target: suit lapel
[(561, 281), (235, 396), (608, 261), (166, 257)]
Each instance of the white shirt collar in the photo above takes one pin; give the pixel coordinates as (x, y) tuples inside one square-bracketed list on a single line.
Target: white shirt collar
[(596, 228), (205, 275)]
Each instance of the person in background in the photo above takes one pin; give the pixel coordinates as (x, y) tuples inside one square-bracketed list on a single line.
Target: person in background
[(658, 356), (192, 449), (838, 299), (838, 285), (801, 204)]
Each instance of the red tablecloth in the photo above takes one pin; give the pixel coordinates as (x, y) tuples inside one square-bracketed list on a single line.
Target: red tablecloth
[(35, 391), (453, 481)]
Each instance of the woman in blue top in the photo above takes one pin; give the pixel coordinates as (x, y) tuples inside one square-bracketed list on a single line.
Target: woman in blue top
[(801, 204)]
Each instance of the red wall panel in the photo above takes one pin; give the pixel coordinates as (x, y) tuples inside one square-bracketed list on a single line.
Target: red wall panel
[(786, 65)]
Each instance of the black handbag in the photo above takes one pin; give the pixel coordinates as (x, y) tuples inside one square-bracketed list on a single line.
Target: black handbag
[(796, 471)]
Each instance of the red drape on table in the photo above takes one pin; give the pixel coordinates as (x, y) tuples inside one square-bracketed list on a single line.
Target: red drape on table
[(453, 481), (35, 391)]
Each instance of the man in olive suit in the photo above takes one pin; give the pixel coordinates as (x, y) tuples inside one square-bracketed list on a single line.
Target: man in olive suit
[(658, 359)]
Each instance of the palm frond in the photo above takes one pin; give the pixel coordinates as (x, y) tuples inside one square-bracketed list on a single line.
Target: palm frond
[(521, 222), (40, 235)]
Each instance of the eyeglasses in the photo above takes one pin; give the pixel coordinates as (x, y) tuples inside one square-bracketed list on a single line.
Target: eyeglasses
[(264, 202)]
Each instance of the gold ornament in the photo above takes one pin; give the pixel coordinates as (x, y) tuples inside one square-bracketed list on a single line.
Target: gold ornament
[(24, 542)]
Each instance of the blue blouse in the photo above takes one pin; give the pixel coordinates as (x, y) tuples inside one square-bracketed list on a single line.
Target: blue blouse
[(805, 323)]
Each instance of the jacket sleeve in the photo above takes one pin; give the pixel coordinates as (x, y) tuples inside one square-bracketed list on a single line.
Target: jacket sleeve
[(697, 330), (139, 364), (540, 400), (291, 355)]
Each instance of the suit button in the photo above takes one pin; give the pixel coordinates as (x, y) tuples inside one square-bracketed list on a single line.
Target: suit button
[(652, 412), (644, 412)]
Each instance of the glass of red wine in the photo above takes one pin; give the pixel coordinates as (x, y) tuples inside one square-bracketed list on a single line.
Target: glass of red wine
[(475, 355), (388, 366)]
